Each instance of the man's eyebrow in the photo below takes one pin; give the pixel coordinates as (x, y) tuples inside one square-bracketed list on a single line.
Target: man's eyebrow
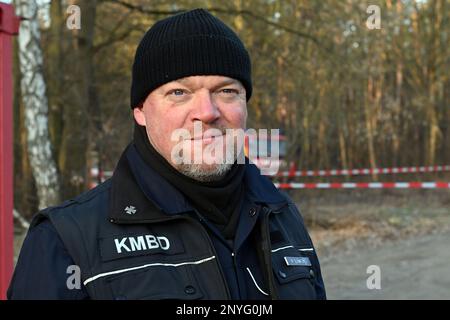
[(186, 82), (227, 82)]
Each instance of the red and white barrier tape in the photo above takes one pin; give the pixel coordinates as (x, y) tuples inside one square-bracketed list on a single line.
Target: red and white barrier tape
[(355, 172), (365, 185)]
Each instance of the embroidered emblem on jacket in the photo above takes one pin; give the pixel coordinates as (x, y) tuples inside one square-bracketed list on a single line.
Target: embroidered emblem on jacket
[(140, 243)]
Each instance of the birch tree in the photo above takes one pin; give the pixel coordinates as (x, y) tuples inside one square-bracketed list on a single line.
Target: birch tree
[(36, 106)]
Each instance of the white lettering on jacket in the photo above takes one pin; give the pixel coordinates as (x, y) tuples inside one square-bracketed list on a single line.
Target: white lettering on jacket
[(140, 243)]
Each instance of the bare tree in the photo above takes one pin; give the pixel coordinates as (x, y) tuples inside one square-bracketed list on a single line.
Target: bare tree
[(36, 106)]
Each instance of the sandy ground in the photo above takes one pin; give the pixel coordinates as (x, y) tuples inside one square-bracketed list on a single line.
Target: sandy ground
[(406, 234), (415, 268)]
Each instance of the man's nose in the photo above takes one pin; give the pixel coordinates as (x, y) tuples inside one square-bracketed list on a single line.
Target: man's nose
[(205, 109)]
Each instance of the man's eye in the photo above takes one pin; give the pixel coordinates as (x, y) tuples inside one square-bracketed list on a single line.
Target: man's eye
[(229, 91), (177, 92)]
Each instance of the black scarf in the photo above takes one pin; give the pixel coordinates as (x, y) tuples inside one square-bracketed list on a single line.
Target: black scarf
[(218, 201)]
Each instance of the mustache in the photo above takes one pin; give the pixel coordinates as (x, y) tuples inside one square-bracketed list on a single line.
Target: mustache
[(212, 131)]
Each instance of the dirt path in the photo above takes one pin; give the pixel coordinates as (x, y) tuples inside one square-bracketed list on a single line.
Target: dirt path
[(416, 268)]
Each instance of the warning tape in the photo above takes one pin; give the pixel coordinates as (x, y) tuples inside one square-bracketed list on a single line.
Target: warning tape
[(355, 172), (365, 185)]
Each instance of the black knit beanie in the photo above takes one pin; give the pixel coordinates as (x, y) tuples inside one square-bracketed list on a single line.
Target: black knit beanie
[(188, 44)]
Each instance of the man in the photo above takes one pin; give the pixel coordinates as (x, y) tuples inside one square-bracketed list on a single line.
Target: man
[(164, 226)]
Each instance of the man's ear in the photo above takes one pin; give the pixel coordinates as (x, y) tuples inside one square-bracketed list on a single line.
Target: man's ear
[(139, 115)]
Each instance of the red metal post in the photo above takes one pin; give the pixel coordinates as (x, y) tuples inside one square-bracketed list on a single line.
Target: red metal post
[(9, 26)]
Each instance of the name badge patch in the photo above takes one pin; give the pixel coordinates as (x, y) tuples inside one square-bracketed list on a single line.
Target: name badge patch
[(128, 245), (297, 261)]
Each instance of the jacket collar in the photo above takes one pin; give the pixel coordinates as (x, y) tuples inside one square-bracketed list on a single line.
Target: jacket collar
[(139, 194), (261, 189)]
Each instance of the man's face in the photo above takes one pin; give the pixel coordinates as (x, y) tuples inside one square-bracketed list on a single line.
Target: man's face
[(209, 102)]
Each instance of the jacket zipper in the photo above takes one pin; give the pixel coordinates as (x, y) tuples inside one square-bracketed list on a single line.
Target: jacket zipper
[(236, 273), (267, 253), (227, 290)]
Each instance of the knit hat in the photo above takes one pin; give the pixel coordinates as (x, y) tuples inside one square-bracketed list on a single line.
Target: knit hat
[(188, 44)]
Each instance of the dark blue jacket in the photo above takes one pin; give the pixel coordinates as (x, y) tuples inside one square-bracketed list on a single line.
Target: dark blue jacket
[(137, 237)]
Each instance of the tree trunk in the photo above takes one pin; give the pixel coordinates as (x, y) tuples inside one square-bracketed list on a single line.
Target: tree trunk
[(56, 73), (89, 89), (342, 148), (36, 106), (25, 198), (434, 132), (369, 127)]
